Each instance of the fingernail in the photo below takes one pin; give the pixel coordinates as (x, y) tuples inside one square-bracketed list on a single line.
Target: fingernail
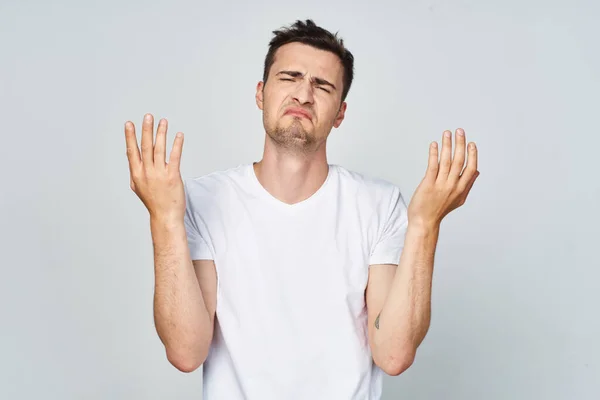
[(447, 134)]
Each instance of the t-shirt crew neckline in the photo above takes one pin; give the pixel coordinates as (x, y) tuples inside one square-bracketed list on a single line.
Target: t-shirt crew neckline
[(264, 193)]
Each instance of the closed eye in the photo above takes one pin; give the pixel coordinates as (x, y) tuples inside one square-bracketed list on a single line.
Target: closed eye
[(318, 87)]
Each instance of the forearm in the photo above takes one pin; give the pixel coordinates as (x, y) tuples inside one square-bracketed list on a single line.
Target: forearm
[(405, 316), (181, 317)]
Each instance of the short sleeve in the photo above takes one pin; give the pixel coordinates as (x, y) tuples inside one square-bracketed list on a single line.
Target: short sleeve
[(388, 246), (199, 249)]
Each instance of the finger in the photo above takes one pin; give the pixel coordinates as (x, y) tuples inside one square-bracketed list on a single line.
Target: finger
[(433, 162), (133, 152), (469, 187), (147, 137), (175, 156), (473, 155), (161, 143), (458, 162), (446, 156), (470, 169)]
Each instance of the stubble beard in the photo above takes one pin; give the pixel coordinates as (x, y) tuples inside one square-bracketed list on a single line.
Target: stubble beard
[(292, 138)]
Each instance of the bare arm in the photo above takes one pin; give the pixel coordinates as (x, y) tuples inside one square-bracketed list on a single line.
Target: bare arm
[(184, 292), (184, 297), (399, 303)]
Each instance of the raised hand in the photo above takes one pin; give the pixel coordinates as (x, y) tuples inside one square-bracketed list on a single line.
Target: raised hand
[(447, 182), (157, 183)]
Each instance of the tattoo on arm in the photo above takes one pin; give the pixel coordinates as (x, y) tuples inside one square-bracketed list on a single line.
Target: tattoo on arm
[(377, 321)]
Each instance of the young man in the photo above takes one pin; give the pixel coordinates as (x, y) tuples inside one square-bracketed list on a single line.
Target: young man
[(291, 278)]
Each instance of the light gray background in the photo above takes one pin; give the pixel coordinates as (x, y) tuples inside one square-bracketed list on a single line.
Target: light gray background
[(515, 303)]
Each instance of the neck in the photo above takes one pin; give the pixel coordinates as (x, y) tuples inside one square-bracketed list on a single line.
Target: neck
[(291, 177)]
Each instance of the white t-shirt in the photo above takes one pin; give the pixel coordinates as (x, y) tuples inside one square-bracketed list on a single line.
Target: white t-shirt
[(291, 319)]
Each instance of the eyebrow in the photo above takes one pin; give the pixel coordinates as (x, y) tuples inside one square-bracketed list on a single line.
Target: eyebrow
[(297, 74)]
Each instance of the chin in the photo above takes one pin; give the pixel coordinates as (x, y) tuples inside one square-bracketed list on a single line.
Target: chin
[(293, 138)]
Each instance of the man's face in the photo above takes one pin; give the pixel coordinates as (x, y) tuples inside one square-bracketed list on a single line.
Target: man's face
[(301, 100)]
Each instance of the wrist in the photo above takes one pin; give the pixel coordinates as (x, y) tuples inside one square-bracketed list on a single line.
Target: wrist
[(423, 228), (166, 222)]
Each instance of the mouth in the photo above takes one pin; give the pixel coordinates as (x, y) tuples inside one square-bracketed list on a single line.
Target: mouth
[(298, 113)]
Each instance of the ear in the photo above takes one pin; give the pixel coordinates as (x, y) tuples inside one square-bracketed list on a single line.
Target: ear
[(340, 116), (259, 94)]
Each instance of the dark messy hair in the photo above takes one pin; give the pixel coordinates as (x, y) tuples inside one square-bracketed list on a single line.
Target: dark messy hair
[(307, 32)]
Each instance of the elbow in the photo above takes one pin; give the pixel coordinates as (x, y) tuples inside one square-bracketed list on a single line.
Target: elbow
[(184, 362), (397, 364)]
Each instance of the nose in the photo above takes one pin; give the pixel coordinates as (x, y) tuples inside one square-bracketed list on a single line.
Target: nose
[(304, 92)]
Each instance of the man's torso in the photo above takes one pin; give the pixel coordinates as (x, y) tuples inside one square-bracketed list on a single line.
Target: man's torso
[(291, 320)]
